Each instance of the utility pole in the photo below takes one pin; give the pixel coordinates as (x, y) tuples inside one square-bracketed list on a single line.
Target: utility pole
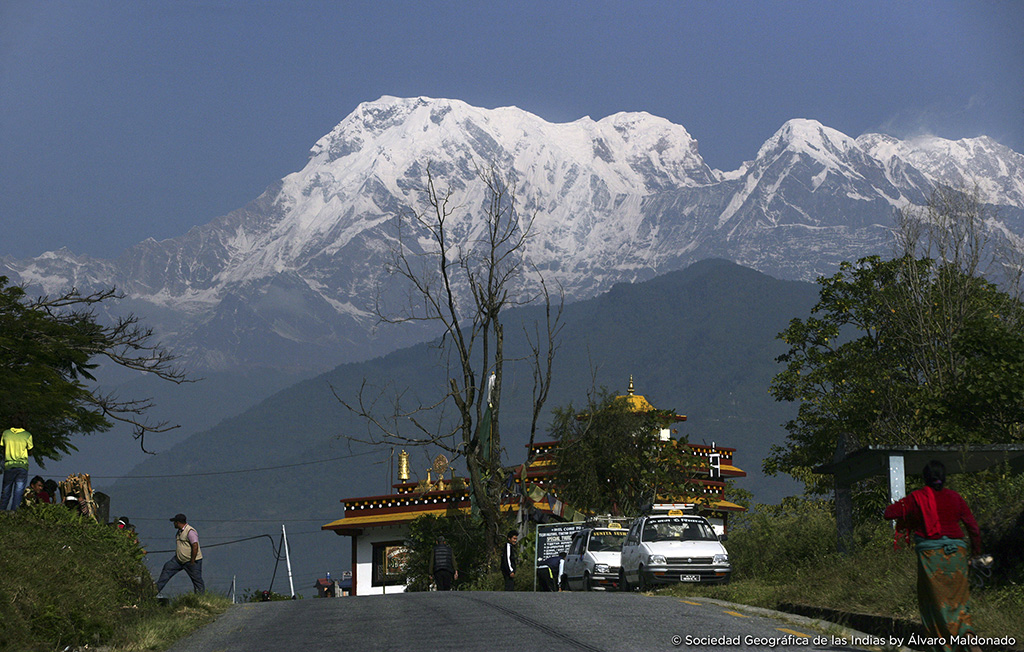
[(288, 561)]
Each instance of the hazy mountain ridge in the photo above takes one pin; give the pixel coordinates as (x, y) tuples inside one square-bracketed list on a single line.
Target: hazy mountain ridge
[(290, 280), (700, 341)]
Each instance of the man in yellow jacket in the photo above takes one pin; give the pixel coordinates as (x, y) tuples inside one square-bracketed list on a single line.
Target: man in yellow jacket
[(17, 442), (187, 556)]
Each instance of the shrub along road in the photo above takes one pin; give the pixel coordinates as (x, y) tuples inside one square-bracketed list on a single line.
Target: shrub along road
[(503, 621)]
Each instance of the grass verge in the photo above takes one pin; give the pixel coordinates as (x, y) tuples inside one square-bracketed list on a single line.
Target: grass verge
[(71, 583), (159, 628)]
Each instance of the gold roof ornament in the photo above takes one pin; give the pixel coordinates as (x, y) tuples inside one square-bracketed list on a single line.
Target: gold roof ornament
[(638, 403), (440, 464), (634, 401), (425, 485), (403, 467), (440, 467)]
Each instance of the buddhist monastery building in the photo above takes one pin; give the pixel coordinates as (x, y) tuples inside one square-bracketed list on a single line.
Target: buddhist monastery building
[(379, 525)]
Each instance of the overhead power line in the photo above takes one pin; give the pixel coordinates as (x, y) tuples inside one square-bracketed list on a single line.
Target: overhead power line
[(194, 475), (214, 545)]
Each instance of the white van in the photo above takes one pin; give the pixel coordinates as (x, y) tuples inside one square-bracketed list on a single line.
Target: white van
[(593, 558), (669, 548)]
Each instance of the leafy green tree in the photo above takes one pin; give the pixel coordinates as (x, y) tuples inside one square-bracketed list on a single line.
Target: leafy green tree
[(610, 458), (49, 349), (463, 533), (920, 349)]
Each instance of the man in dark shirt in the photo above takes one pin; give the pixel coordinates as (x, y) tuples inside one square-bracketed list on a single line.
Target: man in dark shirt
[(551, 572), (443, 567), (508, 560)]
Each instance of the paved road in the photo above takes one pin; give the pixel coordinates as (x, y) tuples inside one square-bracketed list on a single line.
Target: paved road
[(519, 622)]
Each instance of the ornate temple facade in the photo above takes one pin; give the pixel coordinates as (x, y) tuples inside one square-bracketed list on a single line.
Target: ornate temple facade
[(378, 525)]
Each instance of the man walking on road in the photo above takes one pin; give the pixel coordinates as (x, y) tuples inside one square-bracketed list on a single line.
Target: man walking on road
[(443, 568), (508, 560), (187, 556)]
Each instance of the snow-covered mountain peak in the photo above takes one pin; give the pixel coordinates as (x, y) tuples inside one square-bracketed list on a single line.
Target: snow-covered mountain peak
[(882, 147), (811, 138), (645, 136), (997, 171), (55, 272), (392, 140), (299, 271), (371, 119)]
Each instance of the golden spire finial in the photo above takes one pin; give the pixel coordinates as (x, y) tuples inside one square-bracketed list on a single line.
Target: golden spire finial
[(630, 390), (403, 467)]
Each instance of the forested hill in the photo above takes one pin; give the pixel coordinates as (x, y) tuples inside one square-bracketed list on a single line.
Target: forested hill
[(700, 341)]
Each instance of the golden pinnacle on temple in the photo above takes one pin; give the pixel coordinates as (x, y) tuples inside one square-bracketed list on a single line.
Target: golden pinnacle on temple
[(403, 467)]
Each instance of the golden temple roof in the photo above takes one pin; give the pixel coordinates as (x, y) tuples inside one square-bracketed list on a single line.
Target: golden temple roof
[(638, 403)]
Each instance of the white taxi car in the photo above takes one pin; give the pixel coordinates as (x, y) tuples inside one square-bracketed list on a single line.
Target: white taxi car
[(593, 558), (669, 548)]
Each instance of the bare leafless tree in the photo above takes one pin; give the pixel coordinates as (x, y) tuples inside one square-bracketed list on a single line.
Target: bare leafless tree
[(471, 272)]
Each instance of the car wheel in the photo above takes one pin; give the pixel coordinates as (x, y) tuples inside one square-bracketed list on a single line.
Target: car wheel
[(623, 583), (587, 586), (640, 581)]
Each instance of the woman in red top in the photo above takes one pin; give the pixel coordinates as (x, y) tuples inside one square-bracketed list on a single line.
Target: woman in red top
[(934, 514)]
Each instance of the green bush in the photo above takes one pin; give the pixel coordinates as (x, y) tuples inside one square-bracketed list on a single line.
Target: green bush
[(997, 499), (67, 580), (256, 595), (463, 533), (466, 537), (772, 541)]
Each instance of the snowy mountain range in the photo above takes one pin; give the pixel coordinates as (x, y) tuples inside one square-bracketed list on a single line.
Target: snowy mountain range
[(289, 281)]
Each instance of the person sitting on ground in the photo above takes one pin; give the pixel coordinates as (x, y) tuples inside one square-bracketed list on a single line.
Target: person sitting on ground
[(73, 504), (126, 526), (35, 493)]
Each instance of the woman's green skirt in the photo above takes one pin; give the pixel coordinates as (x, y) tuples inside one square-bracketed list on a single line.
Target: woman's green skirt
[(943, 592)]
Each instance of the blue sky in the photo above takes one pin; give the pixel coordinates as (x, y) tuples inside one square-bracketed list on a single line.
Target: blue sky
[(126, 120)]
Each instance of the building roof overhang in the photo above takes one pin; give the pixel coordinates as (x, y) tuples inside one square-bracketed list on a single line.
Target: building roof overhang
[(354, 525), (874, 460)]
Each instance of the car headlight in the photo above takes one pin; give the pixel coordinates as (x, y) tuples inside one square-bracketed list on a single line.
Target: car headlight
[(720, 559), (656, 560), (600, 568)]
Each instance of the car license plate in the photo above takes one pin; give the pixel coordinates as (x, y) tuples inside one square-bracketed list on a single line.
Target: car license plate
[(689, 578)]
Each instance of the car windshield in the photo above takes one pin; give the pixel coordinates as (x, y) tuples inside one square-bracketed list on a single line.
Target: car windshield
[(677, 529), (606, 541)]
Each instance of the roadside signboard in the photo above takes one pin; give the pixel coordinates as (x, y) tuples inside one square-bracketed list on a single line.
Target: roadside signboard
[(553, 538)]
